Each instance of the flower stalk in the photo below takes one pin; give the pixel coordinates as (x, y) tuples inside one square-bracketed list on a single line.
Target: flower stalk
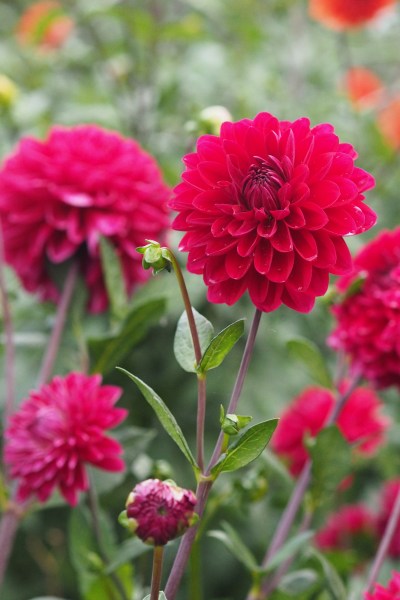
[(157, 572)]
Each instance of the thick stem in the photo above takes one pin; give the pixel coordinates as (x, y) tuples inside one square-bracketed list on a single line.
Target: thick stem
[(61, 315), (290, 512), (157, 571), (390, 529), (9, 339), (8, 529), (204, 487)]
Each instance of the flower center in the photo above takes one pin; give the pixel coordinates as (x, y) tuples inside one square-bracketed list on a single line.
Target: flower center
[(261, 185)]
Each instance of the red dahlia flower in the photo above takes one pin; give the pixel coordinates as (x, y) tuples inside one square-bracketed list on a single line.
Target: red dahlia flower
[(346, 14), (391, 592), (349, 525), (59, 196), (159, 511), (388, 498), (57, 430), (265, 206), (359, 421), (368, 320)]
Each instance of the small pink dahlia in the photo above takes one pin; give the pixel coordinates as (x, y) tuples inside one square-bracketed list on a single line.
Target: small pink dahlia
[(159, 511), (350, 526), (360, 421), (59, 196), (57, 430), (368, 319), (387, 500), (391, 592), (265, 206)]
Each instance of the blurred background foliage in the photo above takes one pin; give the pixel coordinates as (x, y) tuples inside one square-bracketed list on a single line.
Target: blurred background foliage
[(147, 68)]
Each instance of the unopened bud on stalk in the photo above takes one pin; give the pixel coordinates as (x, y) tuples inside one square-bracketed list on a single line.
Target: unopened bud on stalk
[(155, 257)]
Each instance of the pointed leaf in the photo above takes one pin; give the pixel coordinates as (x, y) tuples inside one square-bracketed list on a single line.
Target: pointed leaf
[(113, 277), (221, 345), (127, 551), (331, 456), (183, 345), (233, 542), (334, 583), (298, 582), (165, 417), (108, 351), (308, 353), (246, 448), (289, 549)]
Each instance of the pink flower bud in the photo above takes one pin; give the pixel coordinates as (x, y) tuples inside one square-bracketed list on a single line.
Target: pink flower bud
[(159, 511)]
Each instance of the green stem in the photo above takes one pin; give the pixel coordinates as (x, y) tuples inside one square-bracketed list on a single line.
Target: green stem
[(157, 571)]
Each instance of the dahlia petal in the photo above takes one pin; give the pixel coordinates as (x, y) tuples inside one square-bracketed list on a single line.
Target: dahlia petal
[(299, 301), (220, 246), (247, 244), (348, 189), (327, 257), (219, 227), (295, 219), (282, 239), (315, 217), (240, 227), (340, 221), (207, 200), (255, 143), (59, 248), (196, 260), (305, 244), (214, 270), (258, 288), (263, 257), (344, 260), (325, 193), (237, 266), (301, 274), (195, 180), (320, 165), (281, 266), (267, 229), (319, 282), (212, 172), (273, 298), (363, 180), (76, 199), (227, 292)]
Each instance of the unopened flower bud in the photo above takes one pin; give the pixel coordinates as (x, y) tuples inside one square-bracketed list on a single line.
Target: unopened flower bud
[(159, 511), (155, 257), (212, 117)]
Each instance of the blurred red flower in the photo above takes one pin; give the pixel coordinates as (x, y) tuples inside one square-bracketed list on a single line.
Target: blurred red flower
[(59, 196), (159, 511), (368, 319), (387, 500), (265, 206), (363, 88), (346, 14), (45, 25), (360, 421), (388, 122), (57, 430), (349, 524), (391, 592)]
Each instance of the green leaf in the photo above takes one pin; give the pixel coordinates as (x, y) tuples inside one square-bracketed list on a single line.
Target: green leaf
[(220, 346), (308, 353), (289, 549), (334, 583), (161, 596), (114, 278), (331, 456), (246, 448), (183, 344), (127, 551), (233, 542), (165, 417), (108, 351), (298, 582)]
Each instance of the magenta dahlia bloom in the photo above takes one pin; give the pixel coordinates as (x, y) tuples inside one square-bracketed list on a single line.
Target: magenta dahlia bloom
[(387, 501), (57, 430), (59, 196), (368, 319), (159, 511), (391, 592), (360, 421), (265, 206), (351, 526)]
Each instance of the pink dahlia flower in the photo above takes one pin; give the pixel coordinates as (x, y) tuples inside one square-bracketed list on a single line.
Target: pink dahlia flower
[(368, 320), (351, 524), (57, 430), (59, 196), (391, 592), (360, 422), (388, 498), (159, 511), (265, 206)]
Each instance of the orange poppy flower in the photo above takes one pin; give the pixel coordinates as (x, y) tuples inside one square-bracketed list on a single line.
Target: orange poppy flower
[(363, 88), (44, 24), (346, 14), (389, 123)]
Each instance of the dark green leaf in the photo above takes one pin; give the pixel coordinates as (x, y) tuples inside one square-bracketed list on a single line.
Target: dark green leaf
[(331, 456), (127, 551), (246, 448), (308, 353), (108, 351), (221, 345), (114, 278), (165, 417), (233, 542), (183, 344)]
